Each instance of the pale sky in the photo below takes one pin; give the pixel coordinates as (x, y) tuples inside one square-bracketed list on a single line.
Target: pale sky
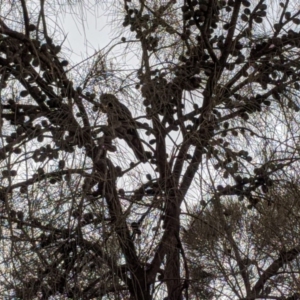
[(86, 29), (89, 27)]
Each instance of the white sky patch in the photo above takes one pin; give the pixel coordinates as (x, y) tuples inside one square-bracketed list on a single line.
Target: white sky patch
[(87, 29)]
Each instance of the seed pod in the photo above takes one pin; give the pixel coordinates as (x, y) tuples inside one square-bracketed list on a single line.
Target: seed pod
[(229, 66), (64, 63), (24, 93), (20, 130), (17, 150), (61, 164), (53, 180), (244, 18), (262, 6), (23, 189), (121, 192), (240, 59), (40, 138), (13, 214), (87, 217), (36, 62), (296, 21), (277, 26), (40, 171), (246, 3), (118, 170), (20, 215), (247, 11), (5, 173), (226, 26), (258, 20), (220, 188), (45, 123), (57, 49), (67, 177), (264, 189), (9, 139), (31, 27)]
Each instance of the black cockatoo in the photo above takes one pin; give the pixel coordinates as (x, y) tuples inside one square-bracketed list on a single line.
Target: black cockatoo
[(120, 119)]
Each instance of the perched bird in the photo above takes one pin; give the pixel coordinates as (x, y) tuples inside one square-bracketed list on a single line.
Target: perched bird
[(120, 119)]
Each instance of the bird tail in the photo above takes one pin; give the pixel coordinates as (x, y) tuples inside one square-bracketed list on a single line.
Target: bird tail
[(138, 149)]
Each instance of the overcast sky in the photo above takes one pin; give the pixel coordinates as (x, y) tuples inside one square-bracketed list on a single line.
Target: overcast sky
[(86, 27)]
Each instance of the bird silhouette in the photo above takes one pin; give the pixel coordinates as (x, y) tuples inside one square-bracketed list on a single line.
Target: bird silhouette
[(124, 126)]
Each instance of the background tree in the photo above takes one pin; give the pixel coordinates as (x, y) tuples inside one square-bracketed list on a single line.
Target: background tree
[(189, 194)]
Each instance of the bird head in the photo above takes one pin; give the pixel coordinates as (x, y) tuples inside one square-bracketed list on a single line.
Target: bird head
[(108, 101), (113, 107)]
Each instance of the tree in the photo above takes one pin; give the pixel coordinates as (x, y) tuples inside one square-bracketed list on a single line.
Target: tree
[(184, 186)]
